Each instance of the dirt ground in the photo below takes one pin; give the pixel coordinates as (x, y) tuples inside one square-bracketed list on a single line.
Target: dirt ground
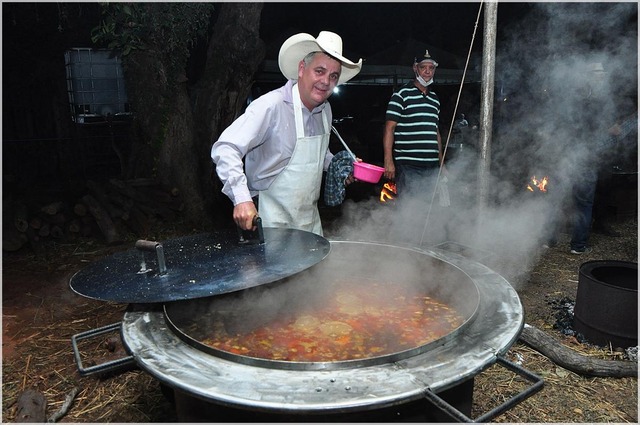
[(40, 314)]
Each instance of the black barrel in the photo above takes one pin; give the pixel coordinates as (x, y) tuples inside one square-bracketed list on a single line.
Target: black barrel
[(606, 310)]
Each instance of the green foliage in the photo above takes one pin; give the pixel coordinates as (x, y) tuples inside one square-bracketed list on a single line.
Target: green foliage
[(169, 29), (162, 35)]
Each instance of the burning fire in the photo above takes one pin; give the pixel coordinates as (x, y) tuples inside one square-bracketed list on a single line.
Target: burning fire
[(540, 184), (388, 192)]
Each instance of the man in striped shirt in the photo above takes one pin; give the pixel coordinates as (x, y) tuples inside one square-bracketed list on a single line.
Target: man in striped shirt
[(411, 141)]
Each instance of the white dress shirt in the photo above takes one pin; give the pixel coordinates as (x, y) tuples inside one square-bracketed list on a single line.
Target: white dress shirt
[(265, 136)]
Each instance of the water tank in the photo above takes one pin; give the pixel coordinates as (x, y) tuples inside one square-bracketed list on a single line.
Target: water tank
[(95, 84)]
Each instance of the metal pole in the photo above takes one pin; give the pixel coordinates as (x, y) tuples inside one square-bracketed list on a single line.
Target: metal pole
[(486, 102)]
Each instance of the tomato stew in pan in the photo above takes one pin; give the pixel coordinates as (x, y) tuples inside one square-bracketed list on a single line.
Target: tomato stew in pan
[(353, 322)]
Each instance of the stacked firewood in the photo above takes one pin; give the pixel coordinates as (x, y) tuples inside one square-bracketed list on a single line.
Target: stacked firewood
[(107, 210)]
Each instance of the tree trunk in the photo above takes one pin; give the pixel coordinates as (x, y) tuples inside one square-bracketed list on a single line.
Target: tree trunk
[(143, 71), (178, 161), (233, 57), (103, 220), (176, 122)]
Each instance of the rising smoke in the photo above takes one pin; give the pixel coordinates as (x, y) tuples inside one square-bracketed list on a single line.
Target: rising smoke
[(553, 109)]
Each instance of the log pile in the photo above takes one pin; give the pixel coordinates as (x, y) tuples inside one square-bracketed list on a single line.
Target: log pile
[(105, 210)]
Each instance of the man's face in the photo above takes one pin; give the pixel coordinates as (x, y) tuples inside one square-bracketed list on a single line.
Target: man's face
[(425, 69), (317, 80)]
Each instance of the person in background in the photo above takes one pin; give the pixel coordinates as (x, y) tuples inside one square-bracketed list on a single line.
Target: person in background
[(411, 141), (283, 137), (593, 128)]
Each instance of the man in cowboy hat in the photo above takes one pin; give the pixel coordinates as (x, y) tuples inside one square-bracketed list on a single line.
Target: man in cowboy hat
[(283, 137)]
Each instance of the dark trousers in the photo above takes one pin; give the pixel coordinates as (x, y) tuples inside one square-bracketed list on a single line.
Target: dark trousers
[(418, 221), (415, 181), (584, 191)]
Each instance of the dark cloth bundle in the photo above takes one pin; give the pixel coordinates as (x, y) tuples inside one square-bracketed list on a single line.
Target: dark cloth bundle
[(340, 168)]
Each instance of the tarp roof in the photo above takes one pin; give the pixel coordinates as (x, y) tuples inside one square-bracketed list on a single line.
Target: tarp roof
[(403, 52), (393, 66)]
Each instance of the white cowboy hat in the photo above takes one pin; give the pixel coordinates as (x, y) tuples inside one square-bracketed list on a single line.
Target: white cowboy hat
[(296, 47)]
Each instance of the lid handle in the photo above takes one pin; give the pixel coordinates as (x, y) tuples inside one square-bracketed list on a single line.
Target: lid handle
[(151, 246)]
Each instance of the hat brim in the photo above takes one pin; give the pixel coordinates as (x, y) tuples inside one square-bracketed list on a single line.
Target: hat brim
[(296, 47), (428, 60)]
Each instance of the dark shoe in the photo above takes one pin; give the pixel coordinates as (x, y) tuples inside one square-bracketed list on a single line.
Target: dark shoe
[(585, 250)]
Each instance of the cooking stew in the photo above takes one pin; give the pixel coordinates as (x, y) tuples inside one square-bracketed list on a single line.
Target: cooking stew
[(344, 312), (357, 322)]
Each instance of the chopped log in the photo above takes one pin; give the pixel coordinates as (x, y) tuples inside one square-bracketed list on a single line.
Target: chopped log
[(100, 195), (34, 241), (165, 198), (20, 218), (103, 220), (86, 230), (141, 181), (53, 208), (12, 239), (74, 226), (572, 360), (32, 407), (56, 232), (138, 222), (143, 201), (44, 230), (57, 218), (121, 201), (35, 223), (159, 195), (80, 209)]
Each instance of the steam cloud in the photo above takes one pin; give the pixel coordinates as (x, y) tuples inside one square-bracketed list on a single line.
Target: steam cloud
[(541, 128)]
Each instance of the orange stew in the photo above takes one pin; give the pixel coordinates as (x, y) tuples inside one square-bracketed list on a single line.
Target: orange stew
[(353, 324)]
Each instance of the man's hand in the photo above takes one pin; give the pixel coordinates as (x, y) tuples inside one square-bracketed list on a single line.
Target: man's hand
[(243, 215), (389, 170)]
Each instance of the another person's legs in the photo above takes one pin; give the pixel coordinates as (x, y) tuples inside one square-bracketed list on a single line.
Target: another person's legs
[(583, 194), (601, 205)]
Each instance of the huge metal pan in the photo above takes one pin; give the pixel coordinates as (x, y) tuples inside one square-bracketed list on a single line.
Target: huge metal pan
[(495, 320), (198, 266), (359, 283)]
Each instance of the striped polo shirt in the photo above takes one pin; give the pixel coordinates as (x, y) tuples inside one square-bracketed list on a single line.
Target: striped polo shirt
[(416, 133)]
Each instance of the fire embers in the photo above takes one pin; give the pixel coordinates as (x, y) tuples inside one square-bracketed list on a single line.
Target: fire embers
[(388, 192), (536, 185)]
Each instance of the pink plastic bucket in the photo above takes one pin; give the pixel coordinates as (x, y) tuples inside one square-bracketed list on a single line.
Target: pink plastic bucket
[(367, 172)]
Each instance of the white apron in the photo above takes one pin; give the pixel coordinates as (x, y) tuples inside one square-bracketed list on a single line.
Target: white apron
[(292, 199)]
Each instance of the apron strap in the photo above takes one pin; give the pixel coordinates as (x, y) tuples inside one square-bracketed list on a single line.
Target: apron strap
[(297, 112)]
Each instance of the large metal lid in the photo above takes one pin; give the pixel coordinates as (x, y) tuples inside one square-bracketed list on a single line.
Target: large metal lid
[(199, 266)]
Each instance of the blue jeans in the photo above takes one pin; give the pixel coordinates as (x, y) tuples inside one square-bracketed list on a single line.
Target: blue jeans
[(416, 187), (415, 180), (584, 191)]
